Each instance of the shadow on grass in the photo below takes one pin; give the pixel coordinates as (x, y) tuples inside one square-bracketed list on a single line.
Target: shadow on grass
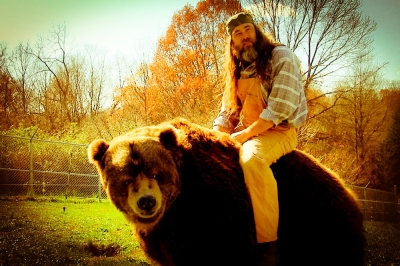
[(32, 233)]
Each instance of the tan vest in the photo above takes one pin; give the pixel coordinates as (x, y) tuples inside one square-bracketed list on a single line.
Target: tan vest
[(249, 93)]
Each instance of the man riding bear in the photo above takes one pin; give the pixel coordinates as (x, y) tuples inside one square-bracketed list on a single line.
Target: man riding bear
[(262, 105)]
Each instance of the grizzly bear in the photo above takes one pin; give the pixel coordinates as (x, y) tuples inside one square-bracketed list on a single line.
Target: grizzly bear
[(182, 188)]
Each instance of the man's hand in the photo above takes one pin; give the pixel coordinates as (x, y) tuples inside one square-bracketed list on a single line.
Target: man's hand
[(222, 129), (259, 126), (241, 136)]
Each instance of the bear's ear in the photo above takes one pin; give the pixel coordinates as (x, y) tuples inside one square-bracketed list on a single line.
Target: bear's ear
[(169, 137), (96, 150)]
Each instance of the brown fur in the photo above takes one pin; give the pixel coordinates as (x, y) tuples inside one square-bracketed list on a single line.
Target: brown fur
[(182, 187)]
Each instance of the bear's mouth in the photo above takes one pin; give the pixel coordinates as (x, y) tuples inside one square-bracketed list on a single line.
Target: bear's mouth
[(148, 214), (145, 207), (148, 218)]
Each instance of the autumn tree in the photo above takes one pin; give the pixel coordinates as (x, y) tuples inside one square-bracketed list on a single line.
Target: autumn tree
[(388, 159), (136, 101), (389, 156), (6, 90), (133, 101), (187, 65), (328, 34), (391, 96), (95, 80), (54, 57), (323, 134), (22, 69), (15, 91), (72, 85), (361, 115)]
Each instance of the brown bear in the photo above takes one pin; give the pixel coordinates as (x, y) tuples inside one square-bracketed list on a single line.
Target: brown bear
[(182, 188)]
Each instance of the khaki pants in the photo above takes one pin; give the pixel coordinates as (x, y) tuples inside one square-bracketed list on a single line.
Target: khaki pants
[(257, 154)]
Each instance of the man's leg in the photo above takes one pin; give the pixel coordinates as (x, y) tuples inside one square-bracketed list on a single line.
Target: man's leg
[(263, 191), (257, 155)]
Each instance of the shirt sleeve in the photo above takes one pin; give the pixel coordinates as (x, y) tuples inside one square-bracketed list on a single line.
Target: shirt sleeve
[(226, 120), (286, 86)]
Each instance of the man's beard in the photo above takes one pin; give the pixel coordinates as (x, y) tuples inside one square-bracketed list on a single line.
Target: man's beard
[(248, 55)]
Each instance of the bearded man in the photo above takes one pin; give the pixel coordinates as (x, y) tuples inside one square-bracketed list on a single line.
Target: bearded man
[(262, 105)]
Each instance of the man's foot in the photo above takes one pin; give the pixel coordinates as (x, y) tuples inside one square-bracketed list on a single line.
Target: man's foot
[(267, 254)]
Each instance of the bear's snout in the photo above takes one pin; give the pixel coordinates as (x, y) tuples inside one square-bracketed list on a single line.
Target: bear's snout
[(145, 199), (147, 203)]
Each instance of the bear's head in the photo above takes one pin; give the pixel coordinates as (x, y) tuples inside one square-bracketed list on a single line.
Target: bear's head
[(140, 172)]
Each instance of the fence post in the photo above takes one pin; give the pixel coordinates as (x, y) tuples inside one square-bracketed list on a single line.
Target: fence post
[(1, 150), (31, 192), (69, 175), (396, 201), (365, 198), (99, 186), (365, 191)]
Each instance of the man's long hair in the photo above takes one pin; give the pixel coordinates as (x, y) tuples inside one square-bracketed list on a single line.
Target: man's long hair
[(264, 46)]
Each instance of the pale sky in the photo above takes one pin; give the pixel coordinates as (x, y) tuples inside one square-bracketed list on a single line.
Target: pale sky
[(116, 25), (129, 26)]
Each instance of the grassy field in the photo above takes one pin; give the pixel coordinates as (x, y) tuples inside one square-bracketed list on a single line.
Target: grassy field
[(86, 232), (68, 232)]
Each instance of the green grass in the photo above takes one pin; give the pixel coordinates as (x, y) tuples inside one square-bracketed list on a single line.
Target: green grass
[(65, 233), (41, 232), (383, 244)]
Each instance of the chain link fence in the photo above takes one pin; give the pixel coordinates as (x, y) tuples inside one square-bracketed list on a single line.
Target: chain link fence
[(378, 205), (35, 167)]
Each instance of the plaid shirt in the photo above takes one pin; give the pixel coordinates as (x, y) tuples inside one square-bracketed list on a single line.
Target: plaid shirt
[(285, 98)]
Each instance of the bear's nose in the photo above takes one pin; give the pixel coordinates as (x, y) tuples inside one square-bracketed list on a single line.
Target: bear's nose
[(146, 203)]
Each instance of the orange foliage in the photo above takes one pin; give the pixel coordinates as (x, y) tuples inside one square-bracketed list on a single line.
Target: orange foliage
[(391, 98), (317, 102), (188, 61), (184, 76)]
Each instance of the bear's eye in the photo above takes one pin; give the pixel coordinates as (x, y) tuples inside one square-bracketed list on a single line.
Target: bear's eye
[(155, 176), (128, 182)]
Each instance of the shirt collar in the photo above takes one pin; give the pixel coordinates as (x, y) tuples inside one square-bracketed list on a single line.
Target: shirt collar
[(249, 71)]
